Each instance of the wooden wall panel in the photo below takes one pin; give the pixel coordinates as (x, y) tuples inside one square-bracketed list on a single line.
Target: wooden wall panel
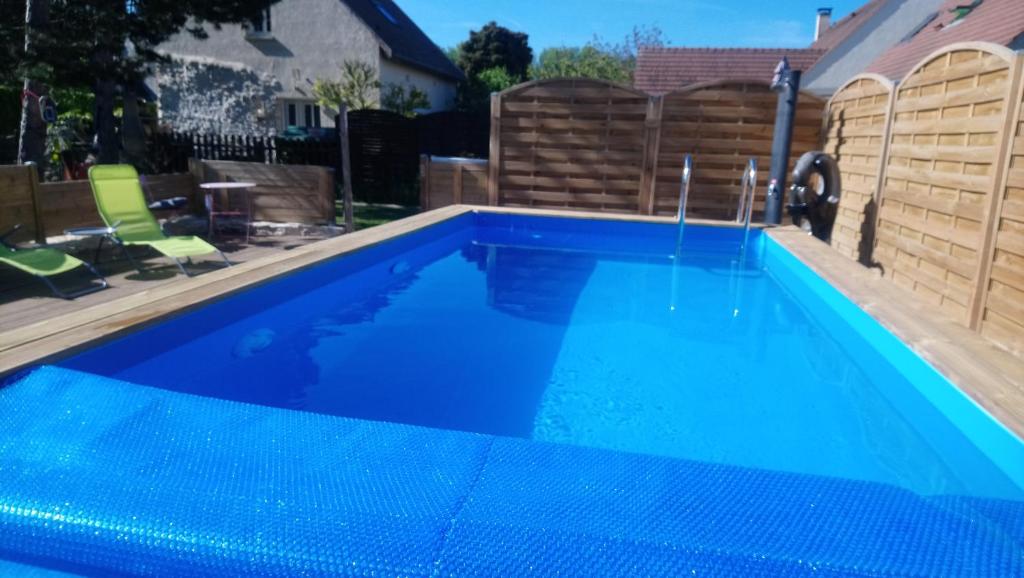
[(856, 123), (17, 206), (283, 193), (1002, 313), (573, 143), (450, 181), (942, 166), (722, 125)]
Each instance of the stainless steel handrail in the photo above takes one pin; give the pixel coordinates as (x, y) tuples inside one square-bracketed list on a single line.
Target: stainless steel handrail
[(684, 188), (745, 207)]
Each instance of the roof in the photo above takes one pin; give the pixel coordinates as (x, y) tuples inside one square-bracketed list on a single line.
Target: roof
[(402, 38), (996, 21), (842, 29), (661, 70)]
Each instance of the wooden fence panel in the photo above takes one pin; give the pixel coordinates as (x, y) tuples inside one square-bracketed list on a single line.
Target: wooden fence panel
[(857, 120), (724, 124), (285, 193), (940, 173), (452, 181), (1002, 313), (573, 143), (17, 202)]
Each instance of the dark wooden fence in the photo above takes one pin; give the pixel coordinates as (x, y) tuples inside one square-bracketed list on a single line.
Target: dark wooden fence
[(385, 149)]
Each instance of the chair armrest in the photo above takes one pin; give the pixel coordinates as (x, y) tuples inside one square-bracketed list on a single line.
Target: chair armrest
[(13, 230)]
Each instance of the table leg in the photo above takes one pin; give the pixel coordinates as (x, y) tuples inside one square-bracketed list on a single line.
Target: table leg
[(209, 210)]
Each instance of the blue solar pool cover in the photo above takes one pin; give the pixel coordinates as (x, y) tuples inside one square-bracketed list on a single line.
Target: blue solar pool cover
[(105, 477)]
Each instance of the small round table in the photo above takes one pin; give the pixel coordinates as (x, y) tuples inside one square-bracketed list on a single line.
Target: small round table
[(226, 187), (103, 233)]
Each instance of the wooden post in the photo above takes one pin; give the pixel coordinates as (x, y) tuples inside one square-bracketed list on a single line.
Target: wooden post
[(346, 168), (991, 219), (883, 160), (37, 209), (197, 169), (652, 146), (424, 182), (494, 160)]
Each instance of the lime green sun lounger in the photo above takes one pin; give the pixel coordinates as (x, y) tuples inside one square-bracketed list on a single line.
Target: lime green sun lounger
[(123, 207), (44, 263)]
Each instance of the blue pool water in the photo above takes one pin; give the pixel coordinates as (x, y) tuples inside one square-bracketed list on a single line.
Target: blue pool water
[(507, 395), (594, 334)]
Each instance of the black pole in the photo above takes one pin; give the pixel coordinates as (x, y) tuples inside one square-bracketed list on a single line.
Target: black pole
[(788, 87)]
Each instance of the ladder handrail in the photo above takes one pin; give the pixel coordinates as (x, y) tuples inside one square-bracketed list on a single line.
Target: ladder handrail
[(745, 208), (684, 188)]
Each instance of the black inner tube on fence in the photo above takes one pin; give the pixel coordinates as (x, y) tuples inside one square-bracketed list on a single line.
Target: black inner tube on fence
[(814, 209)]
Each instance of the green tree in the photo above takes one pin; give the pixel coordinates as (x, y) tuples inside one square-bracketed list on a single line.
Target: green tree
[(104, 44), (405, 100), (495, 46), (598, 59), (357, 88), (474, 95)]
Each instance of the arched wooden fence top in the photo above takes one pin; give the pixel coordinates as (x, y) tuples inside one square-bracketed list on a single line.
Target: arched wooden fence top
[(947, 144), (723, 124), (856, 134), (544, 86)]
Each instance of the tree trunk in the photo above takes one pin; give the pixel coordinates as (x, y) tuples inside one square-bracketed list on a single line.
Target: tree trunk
[(106, 133), (32, 134), (133, 135)]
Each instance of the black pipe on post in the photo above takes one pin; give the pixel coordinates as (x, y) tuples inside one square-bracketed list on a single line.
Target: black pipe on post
[(787, 84)]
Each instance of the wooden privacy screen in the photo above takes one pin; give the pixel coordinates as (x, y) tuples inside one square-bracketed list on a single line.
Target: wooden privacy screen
[(1001, 318), (452, 181), (286, 193), (589, 144), (941, 171), (18, 202), (856, 136), (723, 124), (569, 143)]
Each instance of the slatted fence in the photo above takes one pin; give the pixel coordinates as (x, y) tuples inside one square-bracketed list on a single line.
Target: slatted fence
[(941, 171), (723, 124), (573, 143), (283, 193), (856, 136), (452, 181)]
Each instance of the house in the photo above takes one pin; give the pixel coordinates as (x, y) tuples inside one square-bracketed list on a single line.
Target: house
[(840, 50), (258, 78), (854, 42)]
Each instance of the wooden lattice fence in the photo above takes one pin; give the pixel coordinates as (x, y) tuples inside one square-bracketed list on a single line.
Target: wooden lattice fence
[(941, 173), (856, 136), (723, 124)]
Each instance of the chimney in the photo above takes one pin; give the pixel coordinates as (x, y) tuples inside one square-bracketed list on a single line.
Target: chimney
[(824, 18)]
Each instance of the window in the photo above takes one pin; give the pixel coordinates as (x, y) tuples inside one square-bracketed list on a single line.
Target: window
[(291, 114), (379, 4), (310, 115)]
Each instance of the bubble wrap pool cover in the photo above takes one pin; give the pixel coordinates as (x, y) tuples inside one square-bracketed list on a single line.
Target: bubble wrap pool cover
[(104, 477)]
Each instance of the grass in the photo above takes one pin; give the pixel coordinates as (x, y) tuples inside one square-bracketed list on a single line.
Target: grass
[(367, 215)]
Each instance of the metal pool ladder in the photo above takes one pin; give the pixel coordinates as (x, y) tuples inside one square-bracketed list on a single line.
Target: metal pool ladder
[(684, 189), (745, 208)]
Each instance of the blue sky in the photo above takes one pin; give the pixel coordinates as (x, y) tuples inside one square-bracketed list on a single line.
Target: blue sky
[(764, 23)]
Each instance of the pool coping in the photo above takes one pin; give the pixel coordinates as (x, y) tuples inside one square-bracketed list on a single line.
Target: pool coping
[(976, 366)]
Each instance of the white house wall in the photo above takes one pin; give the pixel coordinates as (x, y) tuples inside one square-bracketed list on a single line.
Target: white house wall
[(309, 40), (441, 92)]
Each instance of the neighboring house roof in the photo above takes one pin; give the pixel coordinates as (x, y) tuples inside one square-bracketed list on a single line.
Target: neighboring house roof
[(857, 40), (661, 70), (996, 21), (402, 38), (838, 32)]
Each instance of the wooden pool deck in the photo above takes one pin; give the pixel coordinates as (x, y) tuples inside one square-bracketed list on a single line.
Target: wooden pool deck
[(37, 329)]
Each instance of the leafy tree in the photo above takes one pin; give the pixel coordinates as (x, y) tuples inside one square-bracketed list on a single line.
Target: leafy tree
[(357, 88), (104, 44), (495, 46), (405, 100), (474, 95), (598, 59)]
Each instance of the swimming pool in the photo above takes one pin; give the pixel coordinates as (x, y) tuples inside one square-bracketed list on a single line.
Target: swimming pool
[(583, 344)]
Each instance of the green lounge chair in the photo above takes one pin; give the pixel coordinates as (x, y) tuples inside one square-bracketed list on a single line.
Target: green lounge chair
[(44, 263), (123, 207)]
